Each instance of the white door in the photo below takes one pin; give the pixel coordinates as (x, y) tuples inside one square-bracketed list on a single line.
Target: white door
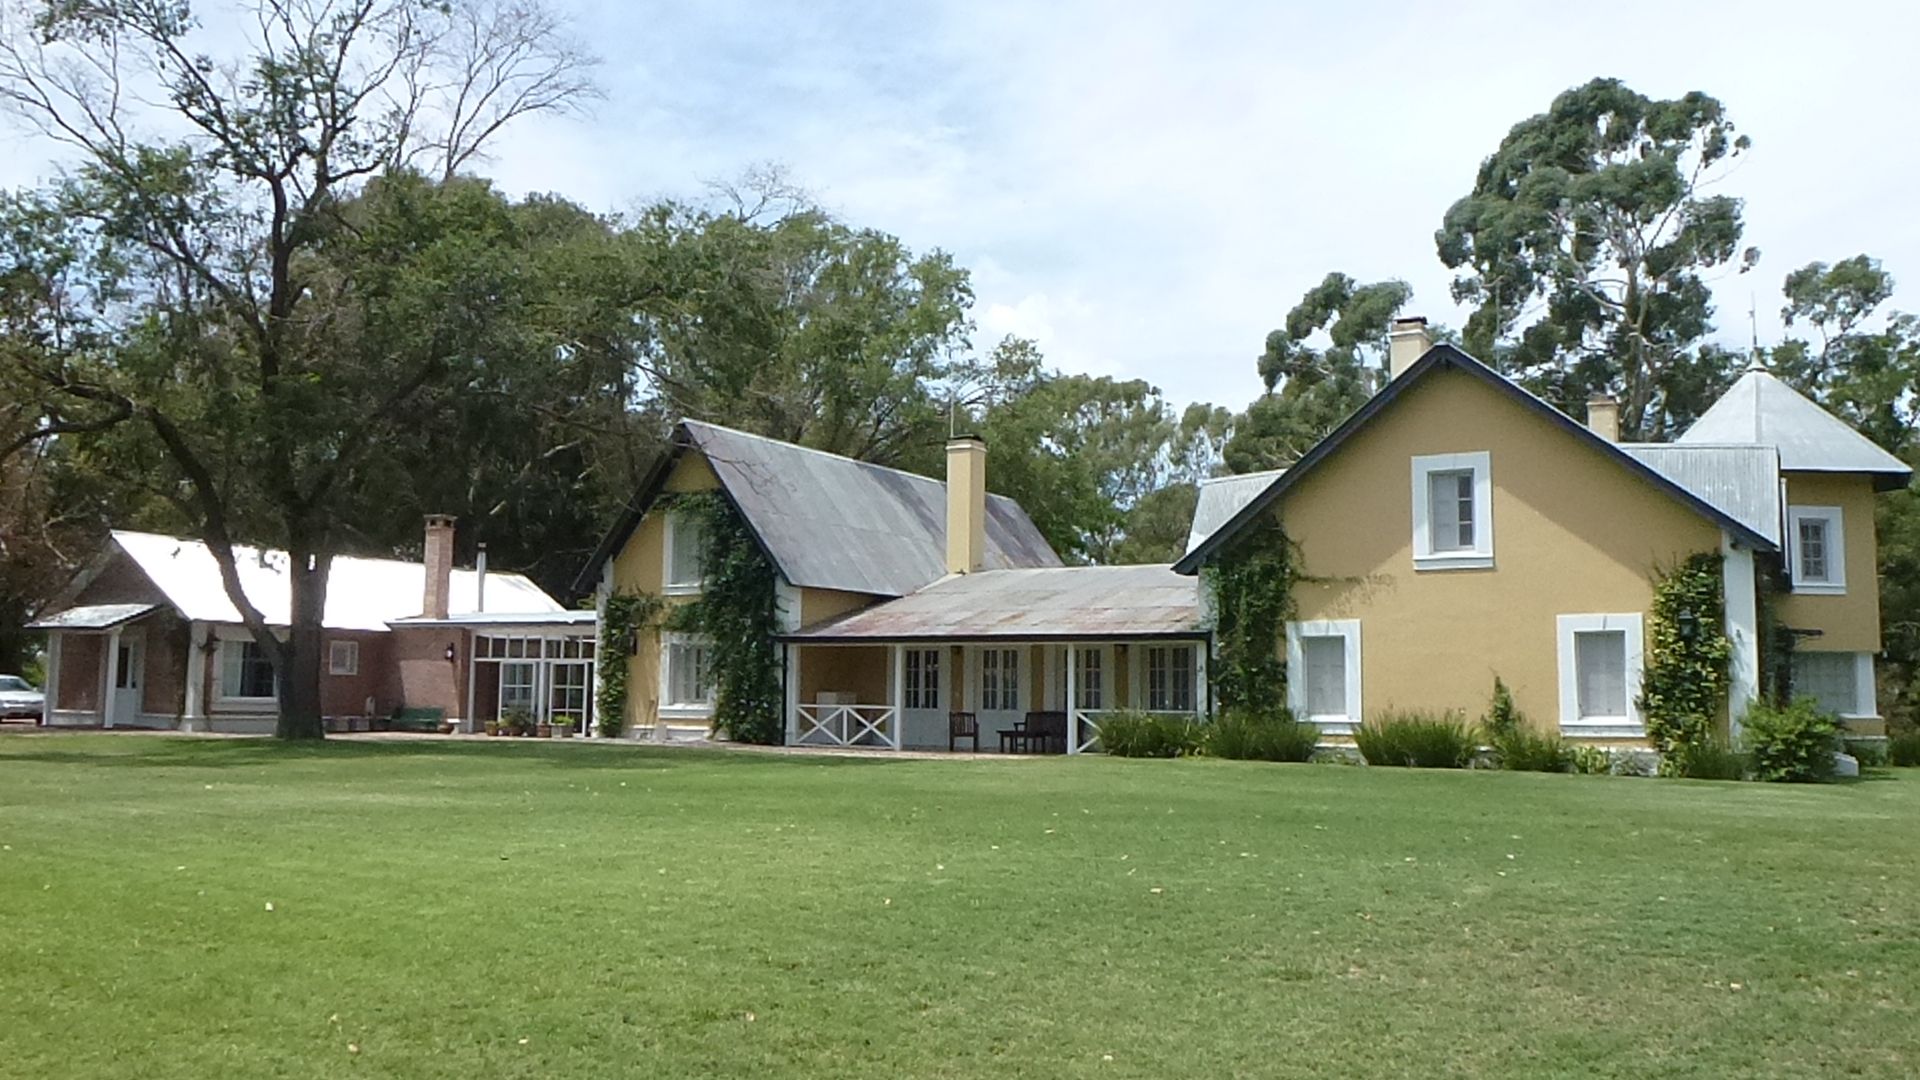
[(923, 713), (1000, 691), (124, 708)]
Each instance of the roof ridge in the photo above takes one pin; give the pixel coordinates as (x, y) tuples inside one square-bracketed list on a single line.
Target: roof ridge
[(258, 549), (895, 470)]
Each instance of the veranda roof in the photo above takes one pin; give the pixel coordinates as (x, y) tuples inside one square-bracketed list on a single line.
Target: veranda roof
[(1066, 603), (93, 617)]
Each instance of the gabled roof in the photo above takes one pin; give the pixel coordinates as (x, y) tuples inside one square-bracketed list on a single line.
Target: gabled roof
[(830, 522), (1760, 408), (1081, 603), (92, 617), (362, 594), (1744, 481), (1446, 357), (1221, 497)]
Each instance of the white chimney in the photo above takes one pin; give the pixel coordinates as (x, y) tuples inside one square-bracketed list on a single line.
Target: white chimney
[(480, 579), (1603, 416), (966, 504), (1407, 341), (438, 556)]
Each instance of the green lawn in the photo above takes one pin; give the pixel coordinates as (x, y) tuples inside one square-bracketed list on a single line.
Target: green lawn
[(187, 908)]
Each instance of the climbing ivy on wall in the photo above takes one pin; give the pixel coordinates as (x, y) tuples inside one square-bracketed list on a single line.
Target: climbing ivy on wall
[(625, 615), (736, 612), (1684, 685), (1250, 588)]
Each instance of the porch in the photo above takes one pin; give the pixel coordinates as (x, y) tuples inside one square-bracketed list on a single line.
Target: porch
[(542, 671), (997, 696)]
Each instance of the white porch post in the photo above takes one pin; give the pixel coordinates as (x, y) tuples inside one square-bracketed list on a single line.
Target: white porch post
[(196, 706), (1742, 630), (1202, 701), (473, 653), (52, 688), (1073, 698), (112, 677), (896, 657), (793, 693)]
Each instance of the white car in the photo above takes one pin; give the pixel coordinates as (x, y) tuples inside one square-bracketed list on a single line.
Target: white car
[(19, 700)]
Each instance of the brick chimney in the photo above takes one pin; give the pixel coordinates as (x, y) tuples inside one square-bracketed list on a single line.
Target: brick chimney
[(966, 504), (439, 559), (1407, 341), (1603, 416)]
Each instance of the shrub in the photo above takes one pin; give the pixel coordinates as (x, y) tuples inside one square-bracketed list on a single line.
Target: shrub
[(1590, 760), (1515, 745), (1126, 733), (1903, 749), (1256, 735), (1417, 740), (1713, 759), (1795, 743), (1870, 753), (1502, 718)]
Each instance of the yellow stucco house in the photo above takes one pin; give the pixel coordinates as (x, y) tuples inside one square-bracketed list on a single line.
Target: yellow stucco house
[(1457, 528)]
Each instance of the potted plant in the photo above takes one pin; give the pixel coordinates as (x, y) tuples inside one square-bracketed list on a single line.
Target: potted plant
[(563, 725), (543, 730), (493, 727), (517, 721)]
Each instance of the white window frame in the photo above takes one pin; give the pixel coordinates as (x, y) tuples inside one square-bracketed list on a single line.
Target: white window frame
[(1630, 726), (1835, 583), (697, 711), (220, 696), (1866, 701), (668, 586), (1349, 631), (915, 679), (336, 651), (1195, 673), (1480, 462)]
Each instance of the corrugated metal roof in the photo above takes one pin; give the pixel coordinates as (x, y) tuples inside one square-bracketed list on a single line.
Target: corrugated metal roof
[(1222, 497), (362, 594), (1760, 408), (92, 617), (1056, 602), (1743, 482), (831, 522)]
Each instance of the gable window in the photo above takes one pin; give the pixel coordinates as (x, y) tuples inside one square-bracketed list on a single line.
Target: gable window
[(923, 678), (343, 658), (245, 671), (1839, 682), (1600, 664), (687, 676), (1000, 679), (1818, 556), (1324, 656), (1453, 511), (1170, 671), (686, 541)]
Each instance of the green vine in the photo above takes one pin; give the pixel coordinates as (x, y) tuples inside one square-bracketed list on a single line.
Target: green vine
[(1251, 589), (625, 615), (737, 614), (1776, 640), (1684, 686)]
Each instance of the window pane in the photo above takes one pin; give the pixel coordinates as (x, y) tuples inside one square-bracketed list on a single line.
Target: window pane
[(1181, 679), (516, 686), (1009, 679), (1813, 549), (1600, 665), (1450, 510), (1829, 679), (1325, 660), (687, 542), (1091, 692)]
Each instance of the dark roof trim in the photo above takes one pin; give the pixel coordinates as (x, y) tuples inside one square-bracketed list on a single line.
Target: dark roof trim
[(1438, 357), (801, 637)]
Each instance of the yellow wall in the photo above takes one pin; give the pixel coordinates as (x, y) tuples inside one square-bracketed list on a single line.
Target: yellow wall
[(1574, 533), (818, 605), (640, 567), (859, 669), (1849, 622)]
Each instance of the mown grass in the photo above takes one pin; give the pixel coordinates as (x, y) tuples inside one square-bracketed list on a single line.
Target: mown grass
[(483, 910)]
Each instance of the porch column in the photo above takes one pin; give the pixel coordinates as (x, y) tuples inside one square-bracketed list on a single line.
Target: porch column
[(1202, 701), (1073, 698), (473, 651), (52, 698), (196, 706), (1742, 630), (113, 677), (896, 659), (793, 692)]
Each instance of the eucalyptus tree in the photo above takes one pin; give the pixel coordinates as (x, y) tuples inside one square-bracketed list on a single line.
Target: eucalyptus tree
[(210, 186)]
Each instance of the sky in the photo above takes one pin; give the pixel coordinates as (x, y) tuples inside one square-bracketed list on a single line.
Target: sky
[(1147, 188)]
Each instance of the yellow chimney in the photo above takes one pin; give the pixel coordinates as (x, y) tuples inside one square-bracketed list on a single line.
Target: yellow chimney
[(966, 504), (1407, 341), (1603, 416)]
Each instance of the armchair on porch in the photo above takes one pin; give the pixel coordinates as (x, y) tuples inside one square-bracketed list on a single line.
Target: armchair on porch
[(963, 725), (1038, 733)]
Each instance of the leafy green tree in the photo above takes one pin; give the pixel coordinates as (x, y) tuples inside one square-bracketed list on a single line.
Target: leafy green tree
[(249, 368), (1865, 375), (1585, 240), (1312, 388)]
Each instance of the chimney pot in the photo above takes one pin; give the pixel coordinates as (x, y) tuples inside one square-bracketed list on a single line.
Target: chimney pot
[(1408, 339), (438, 556), (1603, 416), (966, 504)]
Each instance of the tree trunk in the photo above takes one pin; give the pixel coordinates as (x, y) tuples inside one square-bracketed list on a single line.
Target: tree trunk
[(300, 705)]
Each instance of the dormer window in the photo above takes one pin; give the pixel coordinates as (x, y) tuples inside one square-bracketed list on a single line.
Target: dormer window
[(686, 541), (1453, 511), (1817, 555)]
